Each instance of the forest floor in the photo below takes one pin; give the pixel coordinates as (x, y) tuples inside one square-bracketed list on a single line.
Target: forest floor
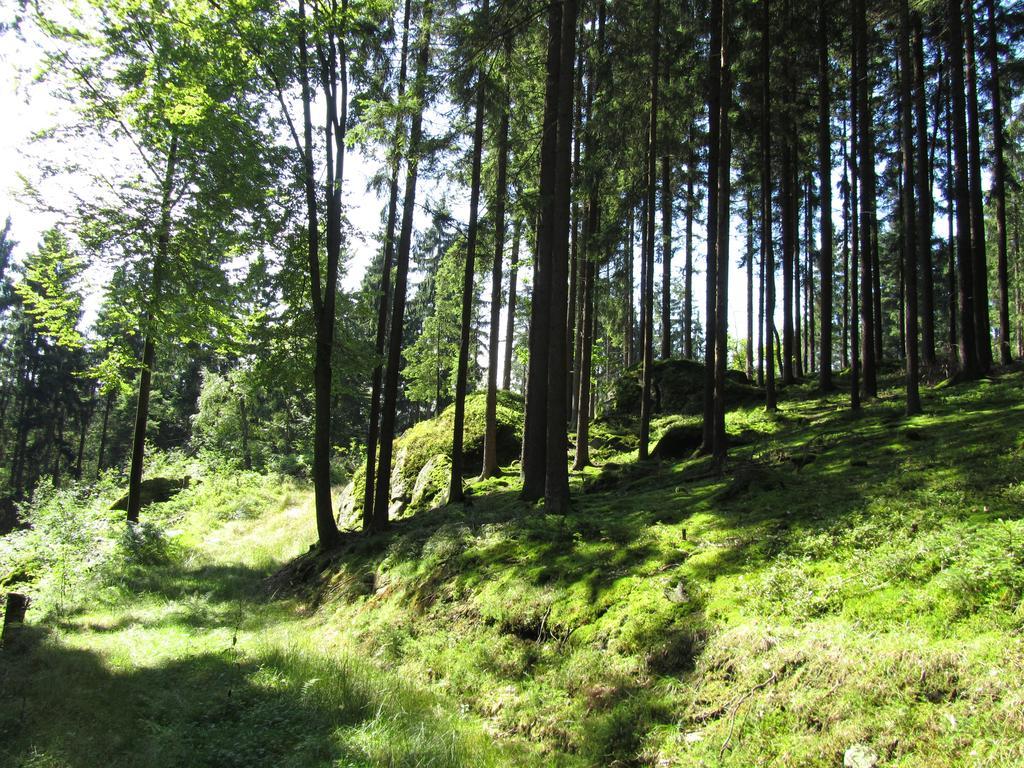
[(855, 583)]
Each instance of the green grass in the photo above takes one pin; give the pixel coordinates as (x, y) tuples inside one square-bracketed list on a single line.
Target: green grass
[(852, 579)]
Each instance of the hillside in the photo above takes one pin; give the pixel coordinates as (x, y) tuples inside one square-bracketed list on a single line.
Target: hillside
[(853, 587)]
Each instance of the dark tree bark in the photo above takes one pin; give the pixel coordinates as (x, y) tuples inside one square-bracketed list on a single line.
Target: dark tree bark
[(767, 256), (923, 191), (714, 100), (788, 235), (510, 316), (108, 403), (866, 185), (591, 225), (950, 192), (719, 442), (999, 184), (845, 186), (628, 357), (583, 412), (969, 366), (910, 219), (535, 428), (855, 348), (382, 496), (825, 180), (749, 351), (490, 463), (688, 267), (149, 331), (384, 290), (333, 73), (982, 326), (646, 402), (455, 488), (666, 248), (556, 484)]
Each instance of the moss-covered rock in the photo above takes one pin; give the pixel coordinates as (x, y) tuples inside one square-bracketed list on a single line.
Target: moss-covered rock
[(679, 442), (154, 490), (678, 388), (431, 483), (426, 444)]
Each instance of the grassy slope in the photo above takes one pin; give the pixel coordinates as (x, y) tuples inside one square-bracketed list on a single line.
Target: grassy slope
[(855, 580)]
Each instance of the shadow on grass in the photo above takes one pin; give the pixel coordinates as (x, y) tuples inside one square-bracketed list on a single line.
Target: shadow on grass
[(64, 706)]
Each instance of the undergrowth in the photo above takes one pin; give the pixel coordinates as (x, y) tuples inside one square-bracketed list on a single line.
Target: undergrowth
[(852, 579)]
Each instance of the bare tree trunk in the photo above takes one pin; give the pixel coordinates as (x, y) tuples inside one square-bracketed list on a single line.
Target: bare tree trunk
[(923, 191), (982, 326), (149, 345), (510, 317), (556, 484), (749, 351), (455, 488), (854, 171), (688, 268), (910, 218), (719, 444), (535, 428), (767, 257), (711, 273), (866, 169), (646, 403), (384, 289), (999, 185), (382, 495), (969, 364), (490, 463), (825, 182)]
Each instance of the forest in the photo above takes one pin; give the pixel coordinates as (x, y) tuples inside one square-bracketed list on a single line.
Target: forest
[(512, 383)]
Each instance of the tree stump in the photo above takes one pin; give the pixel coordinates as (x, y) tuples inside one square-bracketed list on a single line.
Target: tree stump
[(14, 615)]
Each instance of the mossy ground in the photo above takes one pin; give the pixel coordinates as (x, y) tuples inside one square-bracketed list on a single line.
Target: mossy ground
[(852, 579)]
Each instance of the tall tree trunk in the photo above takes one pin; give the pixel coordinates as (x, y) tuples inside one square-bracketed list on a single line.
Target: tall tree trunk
[(666, 248), (583, 412), (108, 402), (382, 495), (724, 205), (490, 464), (923, 191), (969, 364), (788, 236), (510, 316), (688, 267), (845, 184), (749, 351), (714, 99), (767, 256), (910, 219), (627, 315), (591, 225), (982, 326), (384, 288), (825, 181), (556, 483), (455, 488), (866, 168), (149, 328), (646, 402), (535, 428), (760, 313), (999, 184), (854, 170), (333, 72), (950, 192)]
